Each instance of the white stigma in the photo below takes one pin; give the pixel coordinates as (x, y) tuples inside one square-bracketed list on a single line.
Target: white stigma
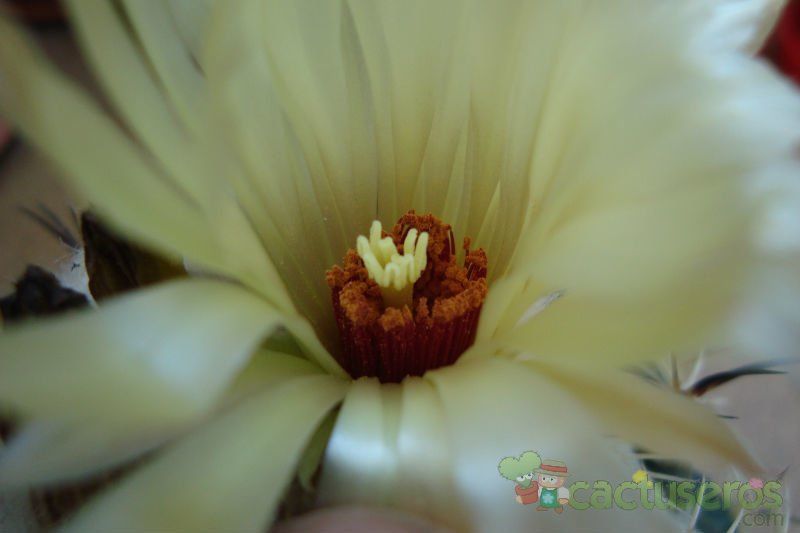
[(395, 274)]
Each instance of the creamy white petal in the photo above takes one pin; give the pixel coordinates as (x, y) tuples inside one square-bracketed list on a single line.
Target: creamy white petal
[(514, 67), (116, 176), (336, 116), (603, 329), (492, 410), (410, 58), (49, 452), (137, 93), (163, 354), (61, 120), (216, 479), (151, 204), (166, 110), (362, 450), (769, 322), (480, 111), (57, 451), (657, 419), (642, 187), (266, 368), (726, 115), (316, 60), (455, 116), (745, 24), (389, 448), (183, 82), (191, 20), (287, 197), (431, 446)]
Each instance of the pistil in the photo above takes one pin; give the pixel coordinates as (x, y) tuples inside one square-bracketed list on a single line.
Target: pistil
[(394, 272)]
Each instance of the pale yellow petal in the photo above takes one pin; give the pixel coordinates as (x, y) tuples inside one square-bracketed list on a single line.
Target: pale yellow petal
[(228, 476), (431, 446), (409, 56), (49, 452), (455, 115), (112, 173), (557, 323), (161, 354), (389, 448), (617, 303), (335, 115), (265, 368), (483, 111), (54, 452), (425, 461), (659, 420), (515, 51), (127, 79), (120, 181), (362, 450), (168, 112), (288, 202), (745, 24), (171, 60), (315, 59), (746, 122), (494, 409), (191, 20), (643, 214)]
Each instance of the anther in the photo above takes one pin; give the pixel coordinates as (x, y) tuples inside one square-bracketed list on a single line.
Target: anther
[(393, 272)]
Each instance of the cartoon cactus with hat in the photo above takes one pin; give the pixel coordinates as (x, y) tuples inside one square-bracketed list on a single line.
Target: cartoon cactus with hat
[(521, 470)]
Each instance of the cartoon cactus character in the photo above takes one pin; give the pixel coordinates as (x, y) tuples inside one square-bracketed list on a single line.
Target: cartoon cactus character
[(520, 470)]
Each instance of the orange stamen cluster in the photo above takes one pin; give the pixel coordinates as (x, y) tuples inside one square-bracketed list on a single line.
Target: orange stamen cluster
[(392, 343)]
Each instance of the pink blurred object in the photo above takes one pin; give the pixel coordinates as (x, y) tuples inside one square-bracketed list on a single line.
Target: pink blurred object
[(756, 483)]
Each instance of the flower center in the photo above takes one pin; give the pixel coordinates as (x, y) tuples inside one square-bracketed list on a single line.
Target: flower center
[(402, 303)]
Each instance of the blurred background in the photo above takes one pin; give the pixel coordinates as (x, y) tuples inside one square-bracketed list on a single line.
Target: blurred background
[(766, 408)]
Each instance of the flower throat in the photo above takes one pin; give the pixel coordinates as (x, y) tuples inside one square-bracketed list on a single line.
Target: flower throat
[(402, 304)]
